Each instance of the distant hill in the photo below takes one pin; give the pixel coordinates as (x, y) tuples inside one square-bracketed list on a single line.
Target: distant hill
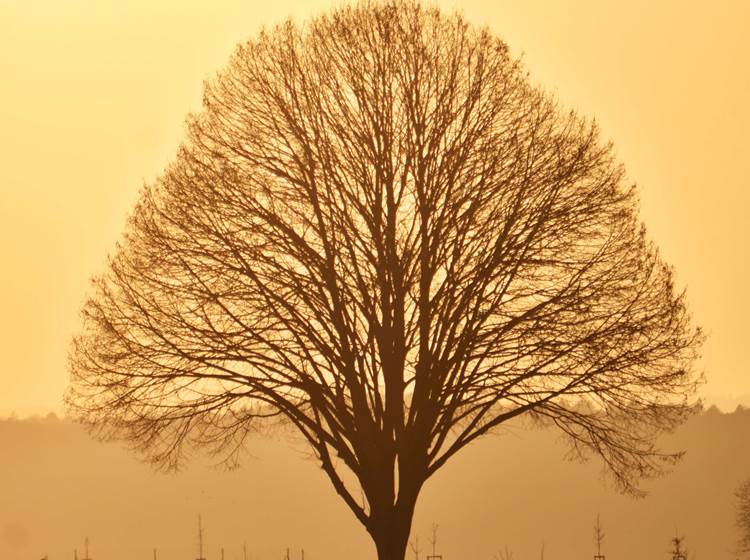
[(58, 486)]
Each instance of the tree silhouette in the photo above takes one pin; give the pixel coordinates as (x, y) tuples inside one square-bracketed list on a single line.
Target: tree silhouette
[(743, 515), (678, 549), (506, 554), (598, 539), (379, 232)]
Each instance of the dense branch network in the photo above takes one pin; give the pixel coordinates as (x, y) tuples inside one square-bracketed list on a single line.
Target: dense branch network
[(380, 232)]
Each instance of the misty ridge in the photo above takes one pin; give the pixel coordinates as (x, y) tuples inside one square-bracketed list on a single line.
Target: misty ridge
[(512, 489)]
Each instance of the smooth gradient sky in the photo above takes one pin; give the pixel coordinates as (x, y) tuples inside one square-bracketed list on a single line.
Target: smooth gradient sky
[(93, 96)]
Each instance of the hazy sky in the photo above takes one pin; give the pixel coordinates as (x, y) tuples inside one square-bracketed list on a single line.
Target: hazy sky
[(93, 95)]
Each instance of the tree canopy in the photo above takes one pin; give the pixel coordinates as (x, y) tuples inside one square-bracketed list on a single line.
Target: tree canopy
[(380, 232)]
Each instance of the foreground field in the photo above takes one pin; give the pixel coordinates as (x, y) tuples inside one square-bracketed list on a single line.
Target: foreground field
[(513, 489)]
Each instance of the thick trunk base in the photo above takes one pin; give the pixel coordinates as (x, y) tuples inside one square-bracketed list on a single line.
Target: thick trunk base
[(391, 550)]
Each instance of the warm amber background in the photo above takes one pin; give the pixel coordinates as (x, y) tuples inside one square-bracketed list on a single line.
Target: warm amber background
[(93, 94)]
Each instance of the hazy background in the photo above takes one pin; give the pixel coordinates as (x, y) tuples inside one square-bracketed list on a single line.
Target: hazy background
[(57, 486), (93, 95)]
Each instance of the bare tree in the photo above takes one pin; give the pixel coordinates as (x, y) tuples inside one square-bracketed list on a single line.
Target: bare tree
[(743, 515), (379, 232), (679, 552), (598, 538), (433, 544), (506, 554), (415, 547)]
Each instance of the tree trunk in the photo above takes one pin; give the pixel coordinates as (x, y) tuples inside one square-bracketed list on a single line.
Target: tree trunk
[(392, 538), (391, 526)]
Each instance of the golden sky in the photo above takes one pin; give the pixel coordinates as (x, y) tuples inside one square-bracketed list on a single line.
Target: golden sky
[(93, 95)]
